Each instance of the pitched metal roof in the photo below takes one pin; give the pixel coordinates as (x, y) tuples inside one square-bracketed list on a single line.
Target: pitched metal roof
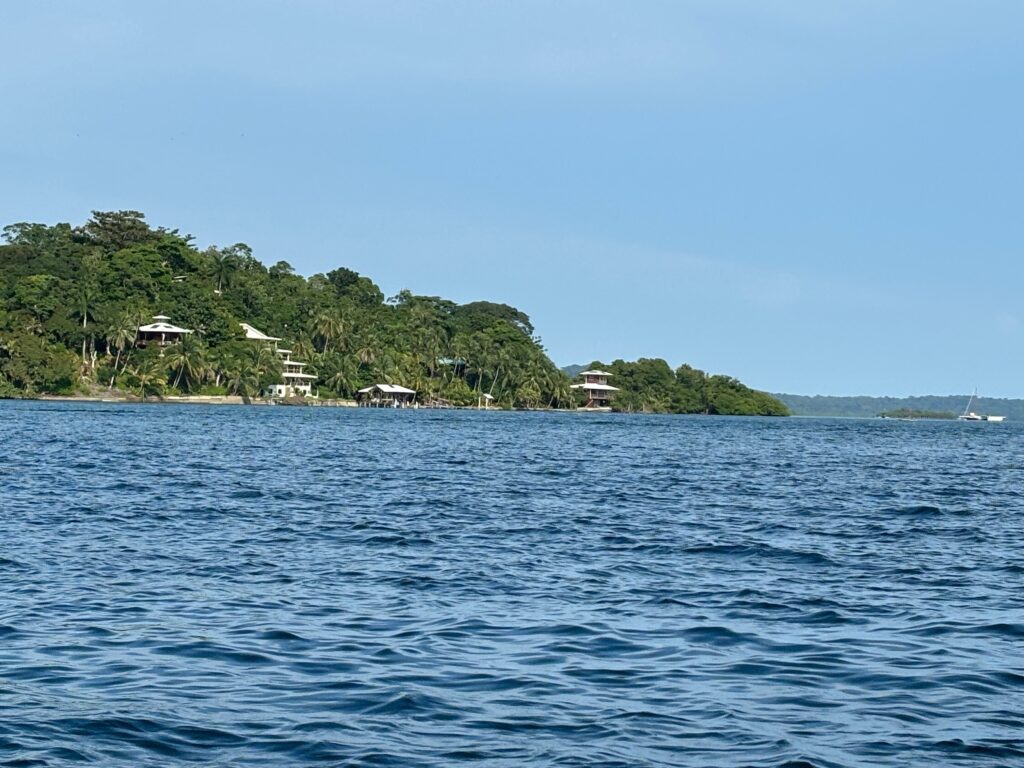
[(161, 327), (392, 389), (255, 334)]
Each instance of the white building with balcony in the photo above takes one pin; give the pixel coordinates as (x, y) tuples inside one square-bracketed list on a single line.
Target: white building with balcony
[(294, 381), (596, 389)]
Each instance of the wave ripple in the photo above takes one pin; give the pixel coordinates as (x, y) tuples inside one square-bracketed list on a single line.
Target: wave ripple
[(231, 586)]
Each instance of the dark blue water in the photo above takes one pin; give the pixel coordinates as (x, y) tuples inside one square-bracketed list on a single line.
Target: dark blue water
[(285, 586)]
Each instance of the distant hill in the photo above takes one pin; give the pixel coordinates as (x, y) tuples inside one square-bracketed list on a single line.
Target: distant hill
[(825, 405), (573, 370)]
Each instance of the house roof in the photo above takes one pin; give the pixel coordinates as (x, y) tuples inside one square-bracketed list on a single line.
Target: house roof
[(255, 334), (594, 373), (162, 327), (391, 389), (596, 387)]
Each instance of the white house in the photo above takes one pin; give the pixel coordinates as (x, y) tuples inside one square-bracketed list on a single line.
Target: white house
[(160, 332), (293, 380), (597, 390)]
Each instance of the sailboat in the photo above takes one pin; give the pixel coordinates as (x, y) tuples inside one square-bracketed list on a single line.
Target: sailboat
[(969, 415)]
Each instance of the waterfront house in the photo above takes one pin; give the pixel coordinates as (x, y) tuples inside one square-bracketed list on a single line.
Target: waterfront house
[(294, 381), (596, 389), (160, 332), (386, 396)]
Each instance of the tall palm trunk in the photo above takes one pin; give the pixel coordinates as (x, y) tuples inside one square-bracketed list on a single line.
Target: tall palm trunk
[(127, 359), (117, 360), (85, 325)]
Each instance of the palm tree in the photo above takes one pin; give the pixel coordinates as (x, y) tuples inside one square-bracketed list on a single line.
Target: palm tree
[(264, 360), (343, 379), (557, 384), (219, 362), (249, 371), (502, 361), (328, 326), (242, 380), (392, 364), (85, 309), (188, 358), (120, 334), (303, 348), (136, 318), (225, 264), (367, 353), (150, 378), (431, 343), (477, 355)]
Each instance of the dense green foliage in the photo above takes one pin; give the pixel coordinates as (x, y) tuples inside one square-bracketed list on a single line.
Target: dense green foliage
[(914, 413), (651, 386), (869, 407), (72, 297)]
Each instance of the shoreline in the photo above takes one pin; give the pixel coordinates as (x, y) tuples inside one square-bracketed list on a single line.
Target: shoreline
[(119, 397), (235, 400), (185, 400)]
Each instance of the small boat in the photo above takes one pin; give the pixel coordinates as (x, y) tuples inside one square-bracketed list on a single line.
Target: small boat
[(969, 415)]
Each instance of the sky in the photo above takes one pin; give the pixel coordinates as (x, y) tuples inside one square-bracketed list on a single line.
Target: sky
[(815, 198)]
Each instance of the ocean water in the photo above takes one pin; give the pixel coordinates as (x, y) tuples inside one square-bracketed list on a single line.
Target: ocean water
[(232, 586)]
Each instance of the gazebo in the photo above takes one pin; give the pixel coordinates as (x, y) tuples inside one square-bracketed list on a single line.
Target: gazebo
[(386, 396), (160, 332)]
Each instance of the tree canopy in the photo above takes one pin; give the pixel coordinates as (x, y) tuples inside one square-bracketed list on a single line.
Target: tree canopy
[(651, 386), (71, 299)]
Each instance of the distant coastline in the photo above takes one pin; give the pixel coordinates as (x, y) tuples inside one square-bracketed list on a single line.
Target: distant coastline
[(916, 413), (870, 407)]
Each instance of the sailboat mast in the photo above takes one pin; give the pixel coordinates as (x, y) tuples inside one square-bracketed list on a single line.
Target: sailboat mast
[(971, 400)]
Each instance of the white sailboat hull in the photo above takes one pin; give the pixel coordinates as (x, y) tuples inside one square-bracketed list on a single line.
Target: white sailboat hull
[(969, 415), (979, 417)]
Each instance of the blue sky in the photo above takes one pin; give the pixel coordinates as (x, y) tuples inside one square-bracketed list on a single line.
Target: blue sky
[(813, 197)]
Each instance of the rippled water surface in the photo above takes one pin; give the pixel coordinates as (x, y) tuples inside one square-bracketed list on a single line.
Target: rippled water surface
[(314, 586)]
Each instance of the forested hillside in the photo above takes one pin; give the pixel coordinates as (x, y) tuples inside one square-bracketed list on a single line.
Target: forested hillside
[(71, 299)]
